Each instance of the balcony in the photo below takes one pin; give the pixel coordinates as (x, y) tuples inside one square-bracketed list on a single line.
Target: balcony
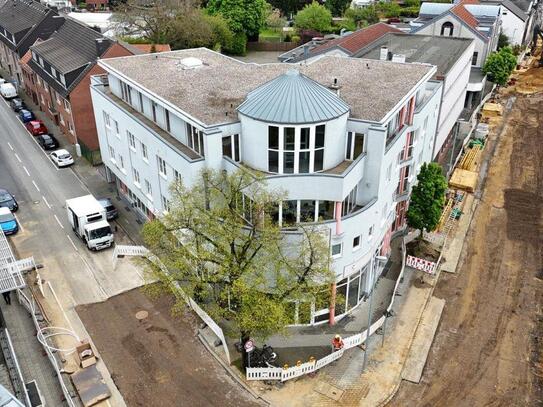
[(101, 85), (330, 185), (402, 196)]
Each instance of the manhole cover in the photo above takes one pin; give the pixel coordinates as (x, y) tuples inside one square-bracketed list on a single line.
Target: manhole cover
[(142, 315)]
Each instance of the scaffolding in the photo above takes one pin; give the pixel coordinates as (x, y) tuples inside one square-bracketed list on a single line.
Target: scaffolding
[(11, 277)]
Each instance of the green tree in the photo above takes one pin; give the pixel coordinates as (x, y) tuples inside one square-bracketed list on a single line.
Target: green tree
[(313, 17), (337, 7), (499, 65), (388, 9), (221, 245), (363, 16), (247, 16), (503, 41), (427, 198)]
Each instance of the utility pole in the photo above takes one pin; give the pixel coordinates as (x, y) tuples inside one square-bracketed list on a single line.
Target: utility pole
[(374, 272)]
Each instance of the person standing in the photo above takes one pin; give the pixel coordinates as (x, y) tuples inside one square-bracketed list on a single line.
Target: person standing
[(7, 297)]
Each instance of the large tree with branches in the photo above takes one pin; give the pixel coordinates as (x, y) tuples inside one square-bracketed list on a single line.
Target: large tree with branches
[(220, 242)]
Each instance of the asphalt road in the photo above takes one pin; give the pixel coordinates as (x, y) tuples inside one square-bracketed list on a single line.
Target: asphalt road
[(77, 275)]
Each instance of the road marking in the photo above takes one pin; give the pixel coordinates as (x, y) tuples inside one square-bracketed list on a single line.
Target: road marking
[(10, 146), (27, 173), (72, 242), (17, 157), (19, 223), (46, 203), (58, 221), (34, 182)]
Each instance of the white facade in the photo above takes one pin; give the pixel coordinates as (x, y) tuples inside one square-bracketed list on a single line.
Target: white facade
[(355, 194)]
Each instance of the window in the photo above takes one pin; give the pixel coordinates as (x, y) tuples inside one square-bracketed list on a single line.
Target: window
[(230, 147), (273, 149), (176, 175), (41, 61), (38, 79), (165, 204), (326, 210), (144, 151), (116, 127), (66, 105), (349, 203), (131, 140), (148, 188), (61, 117), (336, 250), (53, 72), (474, 58), (107, 119), (153, 105), (290, 213), (295, 150), (57, 97), (140, 96), (167, 118), (307, 211), (71, 127), (356, 243), (355, 145), (136, 176), (389, 172), (195, 139), (62, 79), (126, 93), (162, 167), (447, 29), (121, 161), (111, 153)]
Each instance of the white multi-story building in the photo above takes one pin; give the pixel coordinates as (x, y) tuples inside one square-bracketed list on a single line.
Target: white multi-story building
[(343, 137)]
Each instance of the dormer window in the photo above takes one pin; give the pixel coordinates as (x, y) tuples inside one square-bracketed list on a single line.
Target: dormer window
[(447, 29), (53, 72), (62, 79), (34, 56), (41, 61)]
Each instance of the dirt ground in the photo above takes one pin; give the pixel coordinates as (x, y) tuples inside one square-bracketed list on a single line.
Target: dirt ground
[(158, 360), (488, 349)]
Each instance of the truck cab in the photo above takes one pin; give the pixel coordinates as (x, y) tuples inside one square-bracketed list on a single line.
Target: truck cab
[(88, 220)]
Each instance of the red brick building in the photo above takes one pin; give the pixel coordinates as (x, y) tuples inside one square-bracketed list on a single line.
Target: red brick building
[(57, 76)]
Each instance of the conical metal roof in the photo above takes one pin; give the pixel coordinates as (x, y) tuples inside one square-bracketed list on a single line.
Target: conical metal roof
[(293, 98)]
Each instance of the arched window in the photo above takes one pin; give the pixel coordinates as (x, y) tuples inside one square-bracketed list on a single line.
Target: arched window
[(447, 29)]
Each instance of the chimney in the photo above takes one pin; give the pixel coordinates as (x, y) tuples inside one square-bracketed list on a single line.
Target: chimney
[(384, 54), (102, 44), (398, 58)]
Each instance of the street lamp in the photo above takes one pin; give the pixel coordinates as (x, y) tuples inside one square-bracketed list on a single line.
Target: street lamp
[(374, 268)]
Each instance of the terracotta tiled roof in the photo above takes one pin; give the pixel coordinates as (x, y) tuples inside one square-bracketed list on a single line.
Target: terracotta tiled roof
[(158, 47), (461, 12), (26, 57), (357, 40)]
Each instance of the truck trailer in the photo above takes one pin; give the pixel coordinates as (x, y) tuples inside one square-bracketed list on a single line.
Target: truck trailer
[(89, 222)]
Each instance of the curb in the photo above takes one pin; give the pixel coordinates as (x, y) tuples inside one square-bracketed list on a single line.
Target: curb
[(229, 370)]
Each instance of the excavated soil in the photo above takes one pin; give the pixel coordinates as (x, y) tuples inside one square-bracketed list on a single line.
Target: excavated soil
[(488, 349), (154, 358)]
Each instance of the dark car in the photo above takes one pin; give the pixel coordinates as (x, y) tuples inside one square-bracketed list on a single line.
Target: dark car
[(7, 200), (17, 104), (111, 211), (36, 127), (47, 141), (26, 115)]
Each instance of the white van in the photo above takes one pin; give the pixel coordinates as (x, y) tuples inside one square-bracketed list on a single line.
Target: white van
[(8, 91)]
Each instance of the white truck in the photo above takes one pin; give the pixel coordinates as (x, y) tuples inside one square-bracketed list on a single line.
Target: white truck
[(88, 220)]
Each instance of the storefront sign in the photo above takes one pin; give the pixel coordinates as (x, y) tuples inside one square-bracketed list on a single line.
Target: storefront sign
[(421, 264)]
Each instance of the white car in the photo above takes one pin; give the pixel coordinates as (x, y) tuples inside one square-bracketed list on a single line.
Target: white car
[(62, 158)]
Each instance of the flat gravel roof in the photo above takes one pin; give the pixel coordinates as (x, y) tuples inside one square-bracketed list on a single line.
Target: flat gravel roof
[(212, 92)]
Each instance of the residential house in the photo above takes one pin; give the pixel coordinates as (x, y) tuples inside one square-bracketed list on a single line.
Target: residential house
[(345, 45), (22, 22), (60, 69), (453, 57), (518, 19), (479, 22), (343, 137)]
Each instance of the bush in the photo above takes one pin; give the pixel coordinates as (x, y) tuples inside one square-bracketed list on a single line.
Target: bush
[(412, 11), (238, 46), (295, 38), (388, 10), (287, 38), (348, 25), (313, 17)]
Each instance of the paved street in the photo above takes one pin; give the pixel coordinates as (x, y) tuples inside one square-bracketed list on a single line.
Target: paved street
[(77, 275)]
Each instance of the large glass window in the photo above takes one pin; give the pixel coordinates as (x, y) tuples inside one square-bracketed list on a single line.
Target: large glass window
[(349, 203), (295, 150), (326, 210), (355, 145), (307, 211), (289, 212), (230, 147), (195, 139)]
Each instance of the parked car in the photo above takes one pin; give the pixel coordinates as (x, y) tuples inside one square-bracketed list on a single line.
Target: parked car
[(62, 158), (36, 127), (111, 211), (8, 223), (8, 91), (26, 115), (47, 141), (7, 200), (17, 104)]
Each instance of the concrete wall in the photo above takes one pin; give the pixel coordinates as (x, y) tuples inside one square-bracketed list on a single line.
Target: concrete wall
[(512, 26)]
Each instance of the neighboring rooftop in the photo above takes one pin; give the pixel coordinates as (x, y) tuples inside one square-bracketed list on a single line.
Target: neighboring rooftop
[(440, 51), (71, 47), (20, 15), (212, 92), (348, 44)]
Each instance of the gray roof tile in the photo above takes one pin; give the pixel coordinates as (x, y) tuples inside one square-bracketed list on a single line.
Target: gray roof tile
[(20, 15)]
